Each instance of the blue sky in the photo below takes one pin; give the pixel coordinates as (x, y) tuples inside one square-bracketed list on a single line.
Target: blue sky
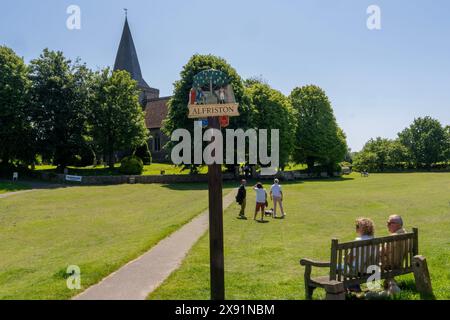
[(378, 81)]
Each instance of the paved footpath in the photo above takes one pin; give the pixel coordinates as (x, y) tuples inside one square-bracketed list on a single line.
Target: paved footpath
[(9, 194), (137, 279)]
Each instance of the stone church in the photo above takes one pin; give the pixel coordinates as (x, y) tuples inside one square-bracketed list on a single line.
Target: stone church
[(155, 106)]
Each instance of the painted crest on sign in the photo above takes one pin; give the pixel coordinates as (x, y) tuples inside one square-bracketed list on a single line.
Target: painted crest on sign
[(212, 96)]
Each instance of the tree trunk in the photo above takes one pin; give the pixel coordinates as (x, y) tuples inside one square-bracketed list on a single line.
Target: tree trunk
[(111, 159), (310, 164), (110, 154)]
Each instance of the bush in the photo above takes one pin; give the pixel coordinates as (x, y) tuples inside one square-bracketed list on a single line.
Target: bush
[(132, 165), (85, 157), (7, 169), (143, 152)]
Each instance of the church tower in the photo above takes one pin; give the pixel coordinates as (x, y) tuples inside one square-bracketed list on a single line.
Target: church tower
[(127, 59)]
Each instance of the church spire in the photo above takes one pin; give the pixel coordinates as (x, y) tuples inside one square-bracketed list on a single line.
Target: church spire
[(127, 58)]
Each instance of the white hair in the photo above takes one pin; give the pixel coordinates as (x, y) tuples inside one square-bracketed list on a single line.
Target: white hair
[(397, 219)]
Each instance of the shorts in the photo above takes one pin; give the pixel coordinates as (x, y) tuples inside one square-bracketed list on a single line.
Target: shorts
[(260, 206)]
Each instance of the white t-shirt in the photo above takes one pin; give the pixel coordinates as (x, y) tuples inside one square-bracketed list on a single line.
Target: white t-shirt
[(276, 190), (260, 195), (366, 250)]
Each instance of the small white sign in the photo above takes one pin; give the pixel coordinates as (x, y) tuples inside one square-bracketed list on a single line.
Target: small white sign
[(15, 176), (74, 178)]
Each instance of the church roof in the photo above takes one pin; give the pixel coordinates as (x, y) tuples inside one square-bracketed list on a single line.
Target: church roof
[(156, 112), (127, 58)]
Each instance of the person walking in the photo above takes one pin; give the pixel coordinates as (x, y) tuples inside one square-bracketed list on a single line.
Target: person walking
[(261, 200), (276, 195), (241, 198)]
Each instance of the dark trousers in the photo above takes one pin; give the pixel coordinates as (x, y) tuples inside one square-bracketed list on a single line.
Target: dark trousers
[(243, 205)]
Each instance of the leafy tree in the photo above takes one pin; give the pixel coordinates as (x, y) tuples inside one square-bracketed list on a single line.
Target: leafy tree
[(117, 122), (380, 154), (255, 80), (178, 112), (16, 134), (318, 137), (447, 145), (398, 155), (144, 153), (426, 141), (273, 111), (59, 94), (349, 155), (365, 161)]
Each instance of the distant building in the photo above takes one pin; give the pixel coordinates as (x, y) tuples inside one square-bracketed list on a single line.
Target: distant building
[(155, 107)]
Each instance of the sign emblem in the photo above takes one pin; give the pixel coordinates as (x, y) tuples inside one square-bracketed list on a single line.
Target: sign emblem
[(224, 121), (212, 96)]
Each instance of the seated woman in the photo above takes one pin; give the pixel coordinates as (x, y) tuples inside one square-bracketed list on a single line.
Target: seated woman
[(365, 230)]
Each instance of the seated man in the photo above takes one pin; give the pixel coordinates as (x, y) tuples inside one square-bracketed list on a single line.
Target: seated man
[(395, 225), (394, 257)]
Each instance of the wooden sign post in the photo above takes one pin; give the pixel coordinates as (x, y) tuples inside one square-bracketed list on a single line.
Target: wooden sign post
[(216, 225), (212, 97)]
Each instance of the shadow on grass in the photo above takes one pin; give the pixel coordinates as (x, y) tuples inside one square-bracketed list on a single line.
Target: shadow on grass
[(336, 179), (408, 292), (409, 286), (186, 186), (35, 184), (7, 186), (189, 186)]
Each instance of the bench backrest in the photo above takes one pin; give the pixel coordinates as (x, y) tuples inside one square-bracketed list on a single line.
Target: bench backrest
[(393, 255)]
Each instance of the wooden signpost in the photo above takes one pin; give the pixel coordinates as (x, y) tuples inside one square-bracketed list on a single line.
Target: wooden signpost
[(212, 97)]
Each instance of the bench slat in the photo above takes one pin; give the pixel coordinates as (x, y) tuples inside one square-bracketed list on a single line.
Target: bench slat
[(386, 275), (362, 243)]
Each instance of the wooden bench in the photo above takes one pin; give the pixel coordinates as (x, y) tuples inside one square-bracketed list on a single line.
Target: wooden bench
[(349, 262)]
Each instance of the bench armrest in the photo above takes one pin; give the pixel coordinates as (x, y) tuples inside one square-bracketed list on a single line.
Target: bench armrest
[(319, 264)]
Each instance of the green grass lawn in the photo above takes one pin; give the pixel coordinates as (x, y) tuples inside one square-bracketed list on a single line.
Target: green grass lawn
[(262, 260), (294, 167), (12, 187), (97, 228), (153, 169)]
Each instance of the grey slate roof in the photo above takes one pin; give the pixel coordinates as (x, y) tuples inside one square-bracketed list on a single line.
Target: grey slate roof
[(127, 58)]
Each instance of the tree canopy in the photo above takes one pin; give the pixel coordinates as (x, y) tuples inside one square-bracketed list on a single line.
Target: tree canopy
[(117, 121), (63, 113), (273, 111), (380, 154), (426, 140), (318, 138), (59, 99), (424, 144), (16, 132)]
